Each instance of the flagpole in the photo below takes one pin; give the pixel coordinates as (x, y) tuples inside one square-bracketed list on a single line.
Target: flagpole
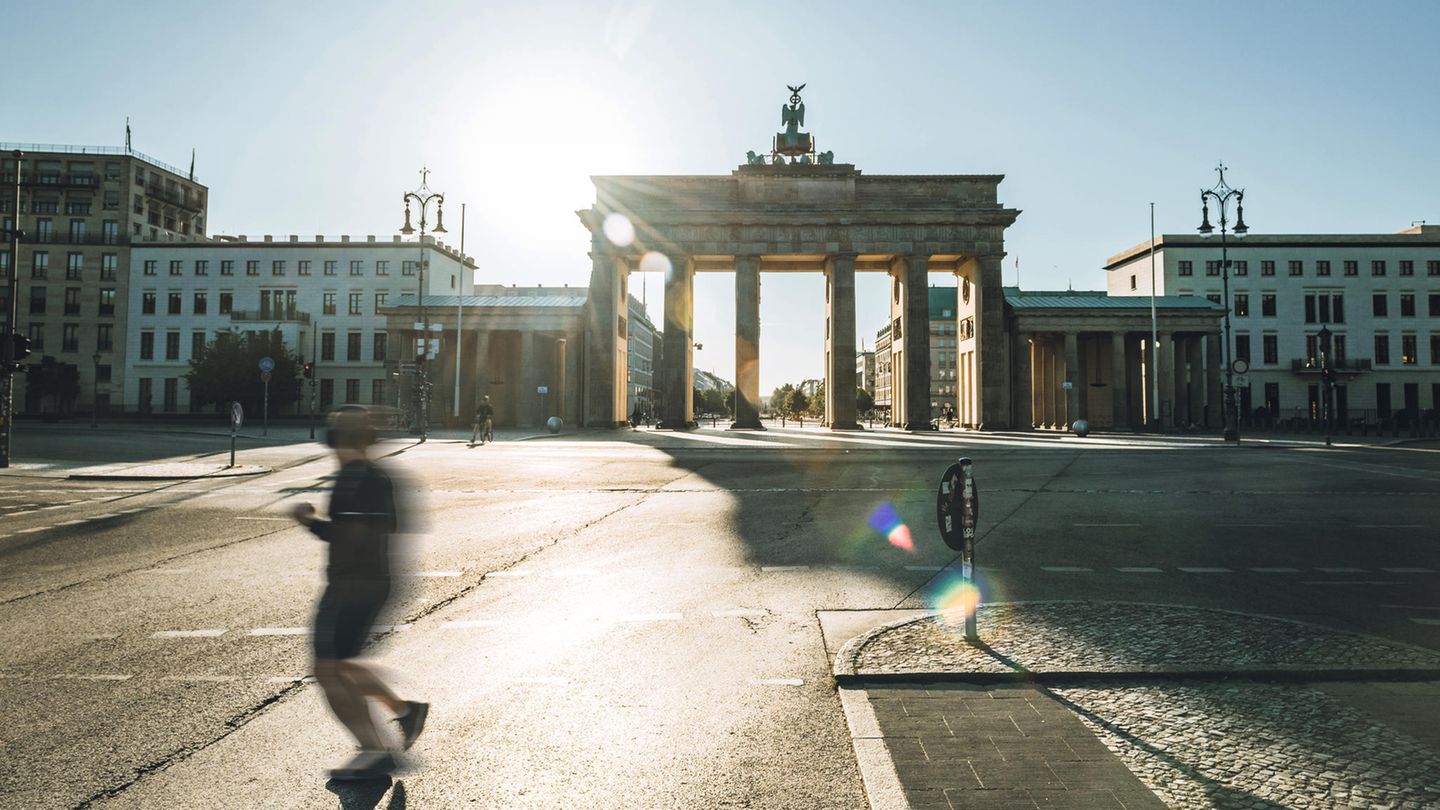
[(460, 312), (1154, 333)]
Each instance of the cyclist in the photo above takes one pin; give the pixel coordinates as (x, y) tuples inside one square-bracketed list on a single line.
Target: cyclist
[(484, 421)]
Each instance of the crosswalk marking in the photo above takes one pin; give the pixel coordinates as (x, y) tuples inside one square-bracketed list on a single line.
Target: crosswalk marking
[(207, 633), (1140, 569), (1202, 569), (280, 631), (1067, 569)]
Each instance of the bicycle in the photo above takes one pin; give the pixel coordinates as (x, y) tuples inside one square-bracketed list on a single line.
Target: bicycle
[(483, 430)]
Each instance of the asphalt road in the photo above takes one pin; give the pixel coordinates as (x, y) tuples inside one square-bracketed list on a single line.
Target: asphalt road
[(626, 619)]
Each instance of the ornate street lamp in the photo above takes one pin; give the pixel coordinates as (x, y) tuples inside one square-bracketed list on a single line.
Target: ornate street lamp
[(422, 197), (1222, 194)]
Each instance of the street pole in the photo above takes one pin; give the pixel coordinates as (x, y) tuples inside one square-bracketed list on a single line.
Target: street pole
[(1154, 334), (12, 326), (422, 197), (265, 410), (314, 374), (459, 314), (1222, 194)]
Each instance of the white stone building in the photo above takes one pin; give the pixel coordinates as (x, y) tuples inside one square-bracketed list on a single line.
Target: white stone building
[(324, 296), (1377, 294), (641, 343)]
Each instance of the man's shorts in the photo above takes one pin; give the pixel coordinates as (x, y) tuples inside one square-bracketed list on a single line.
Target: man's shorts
[(344, 619)]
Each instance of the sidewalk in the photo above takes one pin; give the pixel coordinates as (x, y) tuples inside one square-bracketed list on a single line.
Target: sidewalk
[(1092, 704)]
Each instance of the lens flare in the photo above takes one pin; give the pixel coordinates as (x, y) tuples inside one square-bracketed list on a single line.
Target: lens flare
[(886, 521), (653, 262), (954, 598), (618, 229)]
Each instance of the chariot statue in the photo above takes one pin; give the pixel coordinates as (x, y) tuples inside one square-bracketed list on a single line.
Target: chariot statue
[(792, 142)]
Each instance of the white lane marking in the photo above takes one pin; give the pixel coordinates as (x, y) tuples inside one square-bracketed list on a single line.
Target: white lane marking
[(106, 516), (1067, 569), (877, 766), (202, 678), (75, 522), (1343, 570), (208, 633), (543, 680), (26, 512), (1140, 569), (780, 682), (91, 677), (56, 506), (1411, 607), (1389, 526), (1279, 569), (1428, 622), (280, 631), (280, 519), (924, 568), (1201, 569), (1351, 582), (508, 574), (771, 569), (652, 617), (437, 573), (1106, 525), (739, 614), (1408, 570), (463, 624), (32, 530)]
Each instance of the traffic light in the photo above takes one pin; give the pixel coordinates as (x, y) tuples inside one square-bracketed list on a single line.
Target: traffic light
[(309, 371), (1327, 375), (19, 349)]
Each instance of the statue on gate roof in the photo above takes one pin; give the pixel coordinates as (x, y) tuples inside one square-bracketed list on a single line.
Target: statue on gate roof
[(792, 142)]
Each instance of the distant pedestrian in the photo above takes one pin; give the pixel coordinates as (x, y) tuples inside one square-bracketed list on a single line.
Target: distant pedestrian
[(635, 416), (484, 422), (363, 517)]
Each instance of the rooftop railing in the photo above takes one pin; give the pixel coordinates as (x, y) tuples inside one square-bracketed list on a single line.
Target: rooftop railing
[(92, 150)]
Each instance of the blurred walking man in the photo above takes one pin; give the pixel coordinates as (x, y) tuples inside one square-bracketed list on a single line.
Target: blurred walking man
[(363, 516)]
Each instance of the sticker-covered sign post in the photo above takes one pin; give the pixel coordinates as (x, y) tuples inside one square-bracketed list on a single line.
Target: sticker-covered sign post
[(267, 365), (957, 508)]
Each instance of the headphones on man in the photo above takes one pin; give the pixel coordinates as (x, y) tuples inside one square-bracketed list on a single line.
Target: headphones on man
[(350, 427)]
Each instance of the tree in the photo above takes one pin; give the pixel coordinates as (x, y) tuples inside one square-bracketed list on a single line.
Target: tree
[(227, 369), (817, 403), (59, 381), (864, 402), (780, 397), (796, 403)]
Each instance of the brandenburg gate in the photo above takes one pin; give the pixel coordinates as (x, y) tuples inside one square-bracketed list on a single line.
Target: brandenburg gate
[(794, 211)]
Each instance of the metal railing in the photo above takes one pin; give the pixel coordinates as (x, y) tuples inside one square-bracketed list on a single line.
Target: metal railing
[(1348, 364), (272, 316), (91, 150)]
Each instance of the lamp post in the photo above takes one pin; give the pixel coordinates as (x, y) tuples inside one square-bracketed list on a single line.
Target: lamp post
[(8, 361), (95, 401), (1327, 383), (422, 197), (1222, 194)]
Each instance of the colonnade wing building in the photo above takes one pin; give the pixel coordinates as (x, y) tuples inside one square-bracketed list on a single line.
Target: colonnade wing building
[(786, 218)]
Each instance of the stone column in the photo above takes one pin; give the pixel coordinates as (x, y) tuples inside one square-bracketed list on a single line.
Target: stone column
[(482, 364), (558, 388), (527, 402), (747, 343), (1044, 400), (1165, 375), (1214, 389), (1195, 390), (1023, 405), (605, 354), (1072, 375), (917, 343), (677, 380), (840, 375), (991, 368), (1119, 381)]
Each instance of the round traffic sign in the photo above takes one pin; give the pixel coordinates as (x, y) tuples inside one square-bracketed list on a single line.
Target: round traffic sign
[(1240, 366), (237, 415), (267, 364), (950, 508)]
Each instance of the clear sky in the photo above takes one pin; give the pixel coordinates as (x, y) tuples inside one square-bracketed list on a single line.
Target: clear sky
[(314, 117)]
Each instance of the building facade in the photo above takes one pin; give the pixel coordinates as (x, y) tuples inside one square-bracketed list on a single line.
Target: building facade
[(884, 360), (640, 343), (1376, 295), (82, 210), (865, 372), (325, 297)]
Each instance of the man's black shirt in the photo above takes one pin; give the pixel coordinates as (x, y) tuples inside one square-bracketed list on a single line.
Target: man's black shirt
[(362, 518)]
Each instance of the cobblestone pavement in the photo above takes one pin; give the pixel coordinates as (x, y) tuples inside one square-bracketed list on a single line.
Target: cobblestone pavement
[(1243, 730)]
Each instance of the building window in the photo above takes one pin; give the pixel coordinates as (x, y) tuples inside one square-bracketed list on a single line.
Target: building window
[(378, 347), (352, 391), (104, 342), (327, 394), (107, 302), (110, 232), (108, 264), (355, 303), (357, 268), (1297, 267), (172, 394), (197, 344), (227, 302), (1242, 305), (1435, 355), (1407, 267), (72, 300), (1270, 345), (44, 228), (200, 305), (327, 304), (177, 267), (1377, 267), (1242, 347), (377, 392), (1432, 267), (1407, 305), (352, 347), (147, 345), (1212, 267), (1132, 281), (327, 346), (1378, 306), (70, 337), (277, 267), (150, 267), (1213, 298), (37, 300), (74, 266), (1267, 305), (1382, 400), (5, 257), (1382, 350), (1322, 268), (39, 264), (174, 304), (172, 345), (37, 337), (330, 267), (227, 267), (303, 267), (1435, 313), (1186, 268), (252, 267), (202, 267), (147, 302), (407, 268), (1241, 267), (1409, 353), (380, 299), (382, 268), (1352, 268), (1267, 268)]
